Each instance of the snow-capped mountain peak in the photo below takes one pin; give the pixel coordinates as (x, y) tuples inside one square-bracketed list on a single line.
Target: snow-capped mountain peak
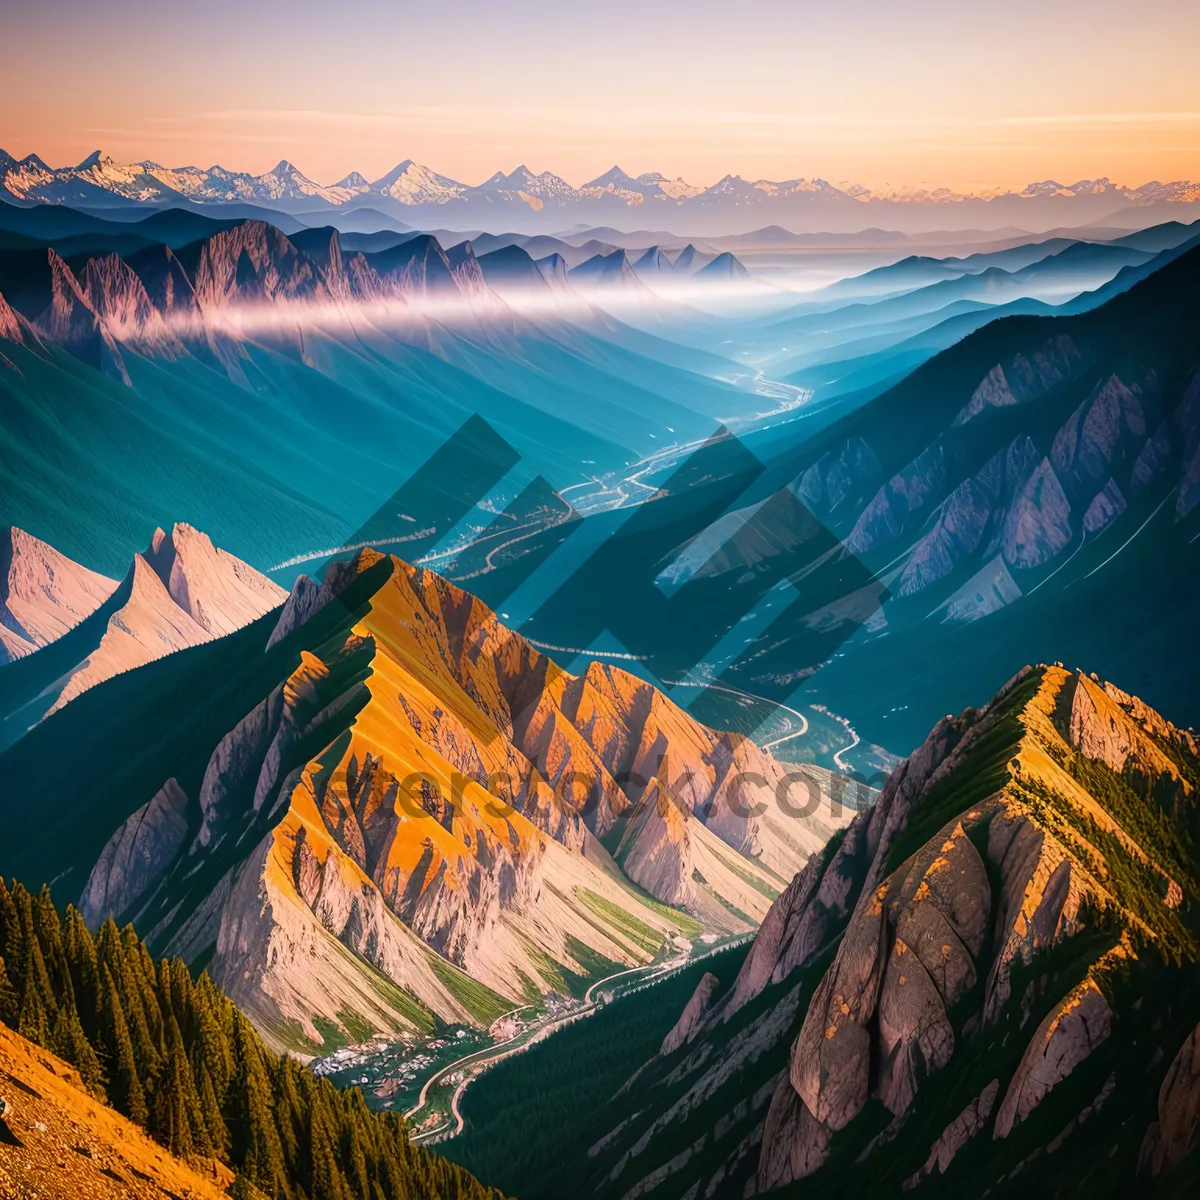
[(101, 181), (411, 183)]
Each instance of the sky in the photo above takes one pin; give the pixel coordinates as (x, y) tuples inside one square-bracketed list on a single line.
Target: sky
[(895, 94)]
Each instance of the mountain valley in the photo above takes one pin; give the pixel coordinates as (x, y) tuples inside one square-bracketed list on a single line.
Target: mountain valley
[(399, 788), (480, 694)]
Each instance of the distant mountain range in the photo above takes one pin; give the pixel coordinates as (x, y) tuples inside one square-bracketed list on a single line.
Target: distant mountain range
[(528, 198), (1037, 484), (163, 301)]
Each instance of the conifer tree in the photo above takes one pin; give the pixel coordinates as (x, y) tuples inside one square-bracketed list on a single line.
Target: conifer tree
[(10, 940), (355, 1156), (138, 1001), (178, 1120), (125, 1088), (48, 930), (80, 949), (37, 1007), (178, 1058), (256, 1139), (327, 1181), (289, 1108), (70, 1043), (210, 1109), (9, 999), (214, 1035)]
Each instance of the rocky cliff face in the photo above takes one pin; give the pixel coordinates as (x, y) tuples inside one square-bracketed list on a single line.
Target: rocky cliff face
[(990, 957), (136, 854), (10, 324), (413, 814), (205, 299), (1012, 466), (120, 301), (1025, 504)]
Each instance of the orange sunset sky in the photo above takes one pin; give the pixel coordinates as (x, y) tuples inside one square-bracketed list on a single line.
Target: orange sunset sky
[(907, 93)]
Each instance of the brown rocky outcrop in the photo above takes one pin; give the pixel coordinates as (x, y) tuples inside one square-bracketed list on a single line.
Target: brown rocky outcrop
[(660, 857), (1026, 378), (984, 857), (408, 790), (217, 590), (304, 601), (944, 911), (147, 625), (10, 324), (961, 1130), (817, 904), (253, 261), (1100, 729), (911, 490), (831, 1060), (794, 1142), (181, 592), (1106, 506), (1005, 873), (1038, 525), (1085, 447), (43, 594), (119, 299), (1078, 1024)]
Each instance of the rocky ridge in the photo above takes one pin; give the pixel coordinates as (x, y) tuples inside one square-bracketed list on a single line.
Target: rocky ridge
[(966, 977), (250, 281), (420, 816), (101, 179)]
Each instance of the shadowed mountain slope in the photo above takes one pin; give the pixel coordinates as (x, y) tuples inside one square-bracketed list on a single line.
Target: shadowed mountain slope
[(1032, 487)]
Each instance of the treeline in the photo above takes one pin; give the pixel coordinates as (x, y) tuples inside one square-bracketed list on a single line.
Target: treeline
[(173, 1054)]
